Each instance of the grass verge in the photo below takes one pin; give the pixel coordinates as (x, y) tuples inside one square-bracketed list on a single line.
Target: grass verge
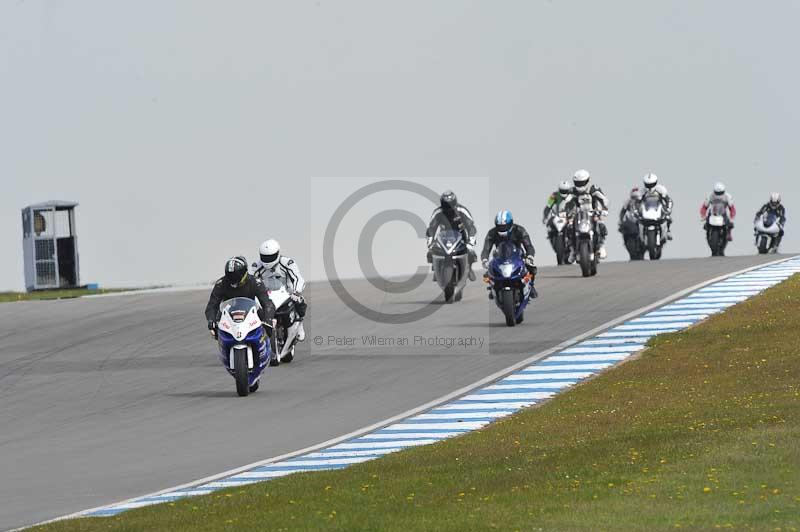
[(39, 295), (699, 432)]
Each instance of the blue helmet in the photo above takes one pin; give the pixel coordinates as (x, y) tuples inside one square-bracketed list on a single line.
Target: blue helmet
[(503, 222)]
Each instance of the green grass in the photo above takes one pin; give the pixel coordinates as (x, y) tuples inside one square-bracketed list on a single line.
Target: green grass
[(701, 431), (7, 297)]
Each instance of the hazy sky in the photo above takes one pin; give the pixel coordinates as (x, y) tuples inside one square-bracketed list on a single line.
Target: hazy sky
[(190, 130)]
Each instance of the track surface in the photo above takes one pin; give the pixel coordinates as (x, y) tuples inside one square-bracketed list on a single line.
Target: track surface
[(105, 399)]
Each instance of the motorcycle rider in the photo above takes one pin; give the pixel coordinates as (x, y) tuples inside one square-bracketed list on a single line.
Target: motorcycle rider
[(652, 187), (631, 206), (272, 264), (581, 185), (555, 200), (505, 230), (238, 283), (720, 196), (774, 205), (452, 214)]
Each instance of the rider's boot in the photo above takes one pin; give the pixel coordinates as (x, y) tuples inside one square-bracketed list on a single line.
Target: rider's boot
[(301, 332), (471, 274), (491, 292), (602, 252)]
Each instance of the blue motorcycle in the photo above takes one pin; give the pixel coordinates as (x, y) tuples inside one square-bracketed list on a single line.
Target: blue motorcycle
[(244, 347), (510, 282)]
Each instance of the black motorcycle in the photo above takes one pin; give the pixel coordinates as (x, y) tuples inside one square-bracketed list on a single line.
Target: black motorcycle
[(450, 258)]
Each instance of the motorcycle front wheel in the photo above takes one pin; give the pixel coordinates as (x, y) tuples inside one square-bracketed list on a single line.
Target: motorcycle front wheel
[(652, 248), (507, 298), (584, 257), (240, 372), (763, 246)]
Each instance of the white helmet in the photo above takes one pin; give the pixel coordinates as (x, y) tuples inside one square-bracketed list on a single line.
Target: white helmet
[(581, 180), (650, 180), (719, 188), (775, 198), (564, 187), (270, 252)]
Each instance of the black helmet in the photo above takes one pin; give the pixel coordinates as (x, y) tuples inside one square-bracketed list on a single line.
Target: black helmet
[(448, 200), (236, 271)]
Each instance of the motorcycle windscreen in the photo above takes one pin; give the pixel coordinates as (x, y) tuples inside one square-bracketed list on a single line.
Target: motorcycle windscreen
[(507, 251), (448, 239), (651, 203), (238, 308)]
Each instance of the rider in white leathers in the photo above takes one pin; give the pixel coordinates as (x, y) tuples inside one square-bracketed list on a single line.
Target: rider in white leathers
[(276, 266), (653, 187)]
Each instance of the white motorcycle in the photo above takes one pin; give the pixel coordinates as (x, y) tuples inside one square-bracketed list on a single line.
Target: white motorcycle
[(557, 233), (766, 229), (286, 318), (716, 226), (651, 219)]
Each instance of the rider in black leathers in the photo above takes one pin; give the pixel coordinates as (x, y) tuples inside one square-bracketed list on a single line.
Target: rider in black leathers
[(238, 283), (774, 205), (505, 230), (452, 214)]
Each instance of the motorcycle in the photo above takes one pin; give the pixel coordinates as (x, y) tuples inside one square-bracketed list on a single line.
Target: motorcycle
[(717, 229), (557, 234), (585, 239), (244, 347), (631, 235), (766, 230), (510, 281), (286, 321), (652, 222), (450, 258)]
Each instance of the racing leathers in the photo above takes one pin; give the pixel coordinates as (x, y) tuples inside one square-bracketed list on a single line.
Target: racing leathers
[(553, 201), (251, 288), (459, 219), (780, 213), (666, 202), (629, 208), (726, 201), (599, 204), (286, 272)]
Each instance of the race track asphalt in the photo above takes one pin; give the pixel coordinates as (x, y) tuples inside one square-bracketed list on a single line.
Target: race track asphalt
[(103, 399)]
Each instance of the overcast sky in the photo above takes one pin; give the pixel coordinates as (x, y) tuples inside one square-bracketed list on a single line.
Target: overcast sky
[(190, 130)]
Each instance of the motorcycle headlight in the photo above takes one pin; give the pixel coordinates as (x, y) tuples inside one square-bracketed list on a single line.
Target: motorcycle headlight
[(584, 227), (507, 270)]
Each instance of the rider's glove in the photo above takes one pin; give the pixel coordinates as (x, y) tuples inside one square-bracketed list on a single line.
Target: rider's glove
[(429, 241), (212, 326), (472, 242), (296, 297), (485, 263), (529, 260)]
